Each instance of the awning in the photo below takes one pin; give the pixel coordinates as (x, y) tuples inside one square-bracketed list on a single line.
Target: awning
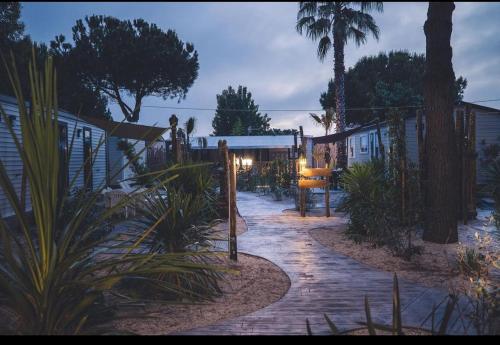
[(333, 138)]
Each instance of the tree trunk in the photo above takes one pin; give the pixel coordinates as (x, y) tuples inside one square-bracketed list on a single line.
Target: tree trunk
[(441, 209), (339, 72)]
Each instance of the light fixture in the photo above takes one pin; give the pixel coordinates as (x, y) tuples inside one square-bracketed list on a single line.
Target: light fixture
[(243, 163), (302, 163), (78, 133)]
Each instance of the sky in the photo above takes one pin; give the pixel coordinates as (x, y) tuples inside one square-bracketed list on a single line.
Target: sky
[(256, 45)]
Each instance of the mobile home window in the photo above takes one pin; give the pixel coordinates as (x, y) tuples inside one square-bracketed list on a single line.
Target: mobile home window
[(363, 144)]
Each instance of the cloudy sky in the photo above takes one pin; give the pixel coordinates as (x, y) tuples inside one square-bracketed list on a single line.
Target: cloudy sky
[(256, 45)]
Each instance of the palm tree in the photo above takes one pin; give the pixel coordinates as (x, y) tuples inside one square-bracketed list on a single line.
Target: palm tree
[(326, 121), (440, 223), (334, 24), (189, 127)]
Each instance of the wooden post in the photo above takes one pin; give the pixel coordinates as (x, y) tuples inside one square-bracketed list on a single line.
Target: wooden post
[(327, 197), (472, 213), (225, 178), (381, 146), (302, 192), (421, 147), (233, 252), (459, 132), (465, 167), (173, 134)]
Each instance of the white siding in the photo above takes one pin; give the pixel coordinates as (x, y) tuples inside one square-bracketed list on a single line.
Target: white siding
[(487, 133), (117, 159), (10, 158), (361, 157)]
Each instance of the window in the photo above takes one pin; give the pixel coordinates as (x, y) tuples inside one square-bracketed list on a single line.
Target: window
[(351, 147), (363, 144)]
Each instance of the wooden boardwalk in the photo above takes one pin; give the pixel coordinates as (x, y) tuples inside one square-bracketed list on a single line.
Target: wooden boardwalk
[(321, 280)]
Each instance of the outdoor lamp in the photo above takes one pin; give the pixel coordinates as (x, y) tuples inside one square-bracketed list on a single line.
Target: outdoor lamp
[(302, 163), (247, 163)]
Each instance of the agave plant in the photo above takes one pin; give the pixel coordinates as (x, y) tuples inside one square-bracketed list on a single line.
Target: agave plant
[(53, 280), (184, 213), (396, 328)]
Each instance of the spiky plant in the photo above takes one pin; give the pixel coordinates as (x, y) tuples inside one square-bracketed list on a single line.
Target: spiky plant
[(52, 280), (396, 327)]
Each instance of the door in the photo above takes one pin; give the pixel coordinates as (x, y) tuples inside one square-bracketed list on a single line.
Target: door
[(63, 159), (87, 158)]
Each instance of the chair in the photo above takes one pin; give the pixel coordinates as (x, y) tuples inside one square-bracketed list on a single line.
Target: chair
[(114, 197)]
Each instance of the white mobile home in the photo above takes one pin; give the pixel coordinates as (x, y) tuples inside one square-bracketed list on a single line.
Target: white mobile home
[(85, 137), (363, 145), (138, 135)]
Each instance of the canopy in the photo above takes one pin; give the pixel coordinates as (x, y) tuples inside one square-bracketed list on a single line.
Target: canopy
[(333, 138)]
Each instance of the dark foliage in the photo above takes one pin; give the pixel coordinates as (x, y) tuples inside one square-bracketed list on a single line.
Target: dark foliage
[(383, 80), (237, 114)]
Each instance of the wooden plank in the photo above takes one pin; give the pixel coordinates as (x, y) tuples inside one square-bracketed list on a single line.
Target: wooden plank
[(310, 172), (312, 184), (233, 253)]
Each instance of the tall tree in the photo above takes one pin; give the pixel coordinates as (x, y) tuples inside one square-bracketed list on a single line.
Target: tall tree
[(393, 79), (237, 114), (189, 128), (334, 24), (134, 58), (441, 182), (11, 27), (325, 120), (74, 94)]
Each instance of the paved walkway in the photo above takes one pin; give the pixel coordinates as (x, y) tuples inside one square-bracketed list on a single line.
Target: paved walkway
[(321, 280)]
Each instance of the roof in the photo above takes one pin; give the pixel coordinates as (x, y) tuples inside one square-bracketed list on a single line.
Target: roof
[(248, 142), (128, 130), (61, 113), (333, 138)]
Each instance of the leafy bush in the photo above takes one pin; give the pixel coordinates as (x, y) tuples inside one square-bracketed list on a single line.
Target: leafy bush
[(53, 278), (371, 201), (368, 203), (493, 187), (183, 214), (483, 293)]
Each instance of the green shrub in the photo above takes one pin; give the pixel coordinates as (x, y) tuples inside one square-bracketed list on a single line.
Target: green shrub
[(53, 278), (493, 187), (372, 203), (368, 202)]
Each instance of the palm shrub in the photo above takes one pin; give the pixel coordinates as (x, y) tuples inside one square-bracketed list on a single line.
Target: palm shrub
[(368, 202), (493, 187), (183, 213), (49, 282), (372, 203)]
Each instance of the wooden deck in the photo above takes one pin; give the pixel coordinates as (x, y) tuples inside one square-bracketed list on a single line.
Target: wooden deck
[(321, 280)]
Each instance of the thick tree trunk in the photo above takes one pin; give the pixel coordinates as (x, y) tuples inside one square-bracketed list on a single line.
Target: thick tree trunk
[(441, 208), (339, 72)]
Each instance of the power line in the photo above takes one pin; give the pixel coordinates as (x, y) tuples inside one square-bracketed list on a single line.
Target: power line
[(306, 110)]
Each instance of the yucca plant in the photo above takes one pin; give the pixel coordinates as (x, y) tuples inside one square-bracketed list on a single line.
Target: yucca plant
[(184, 214), (396, 328), (493, 187), (49, 282)]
